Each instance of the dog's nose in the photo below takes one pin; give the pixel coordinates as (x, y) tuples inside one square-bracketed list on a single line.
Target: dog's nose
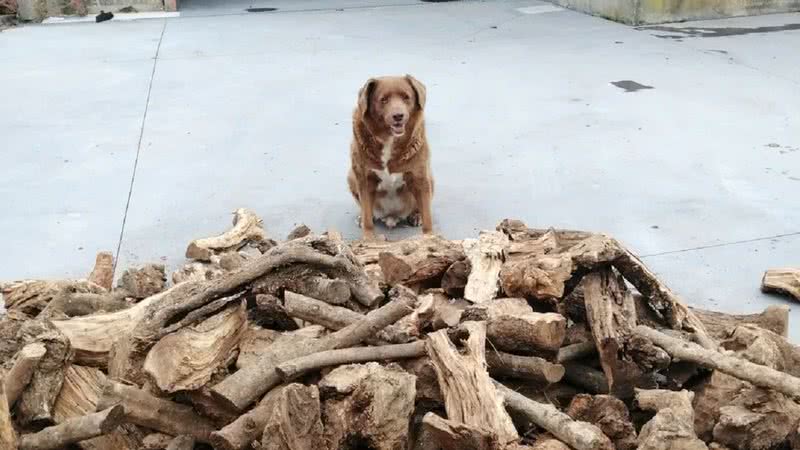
[(398, 117)]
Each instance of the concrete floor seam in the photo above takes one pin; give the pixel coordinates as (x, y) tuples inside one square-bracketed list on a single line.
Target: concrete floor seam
[(138, 148), (310, 10), (723, 244)]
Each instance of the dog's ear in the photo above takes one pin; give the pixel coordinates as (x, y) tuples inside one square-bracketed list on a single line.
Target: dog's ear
[(419, 89), (364, 96)]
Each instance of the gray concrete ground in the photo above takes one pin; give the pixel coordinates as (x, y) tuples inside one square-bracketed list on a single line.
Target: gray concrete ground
[(143, 135)]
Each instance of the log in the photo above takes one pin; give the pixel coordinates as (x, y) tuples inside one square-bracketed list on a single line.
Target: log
[(74, 430), (144, 281), (455, 278), (197, 271), (740, 368), (184, 442), (103, 272), (333, 291), (608, 413), (156, 441), (156, 413), (186, 359), (20, 374), (486, 256), (31, 297), (306, 281), (720, 325), (578, 435), (418, 260), (590, 379), (542, 277), (270, 346), (526, 367), (78, 304), (512, 326), (367, 406), (764, 347), (550, 444), (270, 313), (673, 425), (469, 395), (450, 435), (8, 437), (573, 352), (293, 422), (783, 281), (247, 227), (245, 386), (318, 312)]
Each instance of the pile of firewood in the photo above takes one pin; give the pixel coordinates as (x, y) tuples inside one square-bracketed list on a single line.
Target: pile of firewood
[(519, 339)]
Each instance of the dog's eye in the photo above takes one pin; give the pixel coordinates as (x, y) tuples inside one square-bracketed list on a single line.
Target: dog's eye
[(406, 97), (384, 100)]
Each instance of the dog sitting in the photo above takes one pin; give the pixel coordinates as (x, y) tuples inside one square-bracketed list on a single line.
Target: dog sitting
[(390, 175)]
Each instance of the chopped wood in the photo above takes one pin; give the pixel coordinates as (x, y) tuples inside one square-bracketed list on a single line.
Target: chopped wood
[(78, 304), (31, 297), (512, 326), (156, 441), (783, 281), (610, 414), (8, 437), (469, 395), (672, 427), (573, 352), (761, 346), (247, 227), (156, 413), (103, 272), (186, 359), (245, 386), (197, 271), (144, 281), (304, 280), (270, 313), (418, 260), (486, 256), (260, 346), (20, 374), (527, 367), (445, 312), (298, 232), (451, 435), (455, 278), (588, 378), (294, 419), (74, 430), (720, 325), (578, 435), (740, 368), (542, 278), (183, 442)]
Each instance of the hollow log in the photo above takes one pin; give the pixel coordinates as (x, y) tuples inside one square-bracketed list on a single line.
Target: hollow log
[(720, 325), (672, 427), (247, 227), (103, 272), (608, 413), (782, 281), (486, 256), (450, 435), (74, 430), (20, 374), (144, 281)]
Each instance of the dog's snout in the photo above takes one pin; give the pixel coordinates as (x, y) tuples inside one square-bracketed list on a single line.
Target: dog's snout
[(398, 117)]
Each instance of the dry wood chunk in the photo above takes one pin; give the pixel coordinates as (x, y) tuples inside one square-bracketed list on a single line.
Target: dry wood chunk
[(367, 406), (8, 437), (486, 256), (512, 326), (784, 281), (550, 444), (31, 297), (450, 435), (74, 430), (455, 278), (427, 384), (144, 281), (608, 413), (445, 312), (271, 347), (720, 325), (418, 260), (298, 232), (197, 271), (183, 442), (541, 278), (25, 363), (247, 227), (764, 347), (672, 428), (103, 272), (156, 441), (293, 422)]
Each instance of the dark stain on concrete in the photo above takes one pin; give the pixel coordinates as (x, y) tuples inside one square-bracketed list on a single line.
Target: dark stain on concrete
[(717, 32), (724, 52), (630, 85)]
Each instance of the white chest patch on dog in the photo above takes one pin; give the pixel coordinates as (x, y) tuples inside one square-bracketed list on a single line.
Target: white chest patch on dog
[(390, 206), (389, 182)]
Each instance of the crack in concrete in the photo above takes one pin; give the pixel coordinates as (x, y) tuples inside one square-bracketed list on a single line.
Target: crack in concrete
[(723, 244)]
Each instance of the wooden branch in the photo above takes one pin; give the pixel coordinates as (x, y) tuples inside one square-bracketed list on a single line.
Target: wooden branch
[(247, 227), (469, 395), (8, 437), (450, 435), (782, 281), (607, 412), (74, 430), (486, 256), (144, 281), (159, 414), (673, 424), (318, 312), (578, 435), (186, 360), (264, 346), (31, 297), (525, 367), (25, 364), (103, 272), (576, 351), (306, 281), (183, 442), (246, 385), (417, 260), (754, 373)]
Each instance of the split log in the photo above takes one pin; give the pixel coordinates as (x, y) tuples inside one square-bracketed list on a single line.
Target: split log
[(672, 428), (260, 346), (184, 442), (512, 326), (782, 281), (578, 435), (20, 374), (103, 272), (245, 386), (8, 437), (417, 260), (740, 368), (74, 430), (486, 256), (525, 367), (720, 325), (247, 227), (450, 435), (156, 413), (31, 297), (143, 282), (469, 395), (367, 406), (186, 359), (608, 413), (455, 278), (577, 351)]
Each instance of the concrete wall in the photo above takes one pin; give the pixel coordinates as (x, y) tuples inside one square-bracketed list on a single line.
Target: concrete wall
[(640, 12)]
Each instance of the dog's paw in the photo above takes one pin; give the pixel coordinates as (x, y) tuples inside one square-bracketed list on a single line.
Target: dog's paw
[(390, 222), (414, 220)]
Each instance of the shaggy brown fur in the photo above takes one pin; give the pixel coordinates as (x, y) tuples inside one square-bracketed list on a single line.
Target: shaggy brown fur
[(390, 175)]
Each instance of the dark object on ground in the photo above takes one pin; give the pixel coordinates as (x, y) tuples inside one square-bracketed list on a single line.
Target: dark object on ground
[(103, 16)]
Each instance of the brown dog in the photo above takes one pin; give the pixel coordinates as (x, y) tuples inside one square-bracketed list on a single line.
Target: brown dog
[(390, 174)]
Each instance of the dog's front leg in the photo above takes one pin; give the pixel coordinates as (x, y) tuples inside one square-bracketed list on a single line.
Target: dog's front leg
[(422, 190), (366, 196)]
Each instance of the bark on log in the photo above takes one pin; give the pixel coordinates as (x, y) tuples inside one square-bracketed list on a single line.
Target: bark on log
[(455, 278), (525, 367), (74, 430), (672, 428), (418, 260), (8, 437), (512, 326), (469, 395), (245, 386), (577, 351), (186, 359), (608, 413), (592, 380), (156, 413), (486, 256), (31, 297), (184, 442), (247, 227), (783, 281), (306, 281), (103, 272), (740, 368), (579, 435), (144, 281), (450, 435), (720, 325), (20, 374)]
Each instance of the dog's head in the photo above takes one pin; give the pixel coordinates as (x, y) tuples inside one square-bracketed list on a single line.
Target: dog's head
[(391, 103)]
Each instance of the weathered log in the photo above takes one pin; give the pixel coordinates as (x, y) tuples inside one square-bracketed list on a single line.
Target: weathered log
[(183, 442), (740, 368), (256, 346), (720, 325), (186, 359), (74, 430), (197, 271), (578, 435), (306, 281), (247, 227), (103, 272), (543, 277), (78, 304), (512, 326), (672, 428), (608, 413), (588, 378), (573, 352), (486, 256), (527, 367), (156, 413), (270, 313), (450, 435), (418, 260), (20, 374), (293, 421), (455, 278), (298, 232), (783, 281), (764, 347), (144, 281), (469, 395), (245, 386), (8, 437), (156, 441), (367, 404), (31, 297)]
